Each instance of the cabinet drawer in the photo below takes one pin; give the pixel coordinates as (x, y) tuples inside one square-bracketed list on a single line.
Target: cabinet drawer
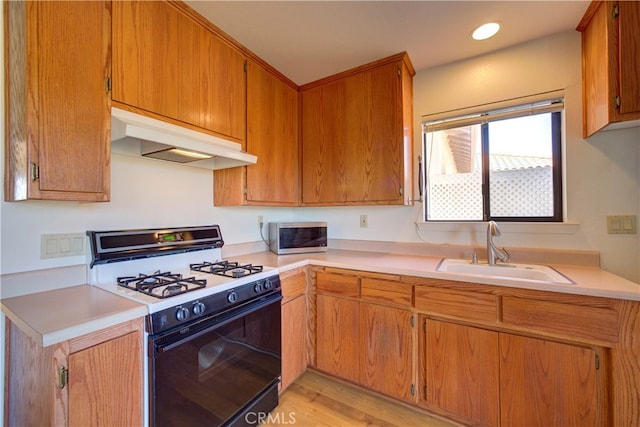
[(294, 283), (464, 304), (573, 320), (385, 291), (337, 284)]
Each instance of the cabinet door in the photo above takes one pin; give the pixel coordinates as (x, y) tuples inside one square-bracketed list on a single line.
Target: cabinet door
[(385, 344), (629, 61), (105, 383), (337, 337), (461, 371), (294, 339), (58, 104), (272, 135), (352, 139), (547, 383), (166, 63), (323, 144)]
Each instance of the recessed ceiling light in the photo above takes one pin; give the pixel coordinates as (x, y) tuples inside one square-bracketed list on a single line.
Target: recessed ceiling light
[(485, 31)]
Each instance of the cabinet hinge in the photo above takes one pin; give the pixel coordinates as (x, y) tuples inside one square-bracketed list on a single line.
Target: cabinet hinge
[(399, 72), (616, 11), (412, 321), (63, 377), (413, 389), (618, 101), (424, 326), (245, 66), (35, 172), (245, 191), (597, 362), (107, 83)]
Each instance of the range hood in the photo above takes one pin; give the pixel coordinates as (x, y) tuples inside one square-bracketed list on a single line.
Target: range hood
[(137, 135)]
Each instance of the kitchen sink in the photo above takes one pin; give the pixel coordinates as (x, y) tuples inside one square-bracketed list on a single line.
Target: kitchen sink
[(532, 272)]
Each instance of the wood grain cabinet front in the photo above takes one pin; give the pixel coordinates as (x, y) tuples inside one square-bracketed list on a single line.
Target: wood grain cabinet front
[(93, 380), (58, 105), (364, 331), (167, 61), (550, 383), (272, 135), (294, 325), (460, 370), (509, 378), (610, 64), (357, 136)]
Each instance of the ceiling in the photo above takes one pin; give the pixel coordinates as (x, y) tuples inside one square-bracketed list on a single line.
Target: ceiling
[(308, 40)]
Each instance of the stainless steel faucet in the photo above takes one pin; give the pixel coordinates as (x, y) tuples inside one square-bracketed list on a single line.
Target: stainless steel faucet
[(493, 252)]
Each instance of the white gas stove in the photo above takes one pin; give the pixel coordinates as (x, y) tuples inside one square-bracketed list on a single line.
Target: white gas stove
[(211, 322)]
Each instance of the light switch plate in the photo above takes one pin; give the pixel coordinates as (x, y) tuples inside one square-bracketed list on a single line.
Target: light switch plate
[(62, 245), (622, 224)]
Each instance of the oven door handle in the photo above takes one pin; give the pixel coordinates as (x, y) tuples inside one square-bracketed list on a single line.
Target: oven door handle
[(232, 315)]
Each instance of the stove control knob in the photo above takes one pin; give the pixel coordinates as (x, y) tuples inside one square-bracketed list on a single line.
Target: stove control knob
[(258, 287), (268, 284), (182, 314), (198, 309), (232, 297)]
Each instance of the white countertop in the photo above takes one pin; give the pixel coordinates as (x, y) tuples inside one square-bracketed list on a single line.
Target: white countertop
[(588, 280), (54, 316)]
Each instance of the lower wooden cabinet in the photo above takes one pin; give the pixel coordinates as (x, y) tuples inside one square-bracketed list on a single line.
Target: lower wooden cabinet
[(461, 371), (367, 343), (294, 325), (494, 378), (337, 337), (548, 383), (294, 340), (385, 350), (92, 380), (104, 383)]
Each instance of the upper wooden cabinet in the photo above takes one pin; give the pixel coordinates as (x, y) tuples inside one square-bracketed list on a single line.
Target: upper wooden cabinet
[(610, 64), (166, 61), (58, 107), (357, 135), (272, 135)]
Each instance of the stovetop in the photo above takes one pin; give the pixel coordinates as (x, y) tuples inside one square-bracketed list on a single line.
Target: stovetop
[(106, 276), (171, 266)]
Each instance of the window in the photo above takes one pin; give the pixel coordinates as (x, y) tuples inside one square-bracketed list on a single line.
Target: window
[(502, 165)]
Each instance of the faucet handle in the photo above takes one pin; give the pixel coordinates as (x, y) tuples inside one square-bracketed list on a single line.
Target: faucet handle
[(507, 255)]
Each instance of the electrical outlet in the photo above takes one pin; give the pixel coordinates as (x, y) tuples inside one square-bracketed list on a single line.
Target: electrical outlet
[(260, 222), (364, 221)]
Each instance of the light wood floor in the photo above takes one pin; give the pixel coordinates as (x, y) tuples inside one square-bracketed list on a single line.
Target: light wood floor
[(316, 400)]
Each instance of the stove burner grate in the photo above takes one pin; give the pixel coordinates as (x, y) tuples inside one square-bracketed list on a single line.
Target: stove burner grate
[(227, 268), (161, 284)]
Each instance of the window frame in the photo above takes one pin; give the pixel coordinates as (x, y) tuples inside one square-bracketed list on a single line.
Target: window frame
[(555, 106)]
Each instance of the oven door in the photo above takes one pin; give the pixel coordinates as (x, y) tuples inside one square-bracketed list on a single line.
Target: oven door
[(219, 371)]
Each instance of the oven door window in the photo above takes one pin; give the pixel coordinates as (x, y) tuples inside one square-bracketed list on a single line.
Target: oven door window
[(209, 374)]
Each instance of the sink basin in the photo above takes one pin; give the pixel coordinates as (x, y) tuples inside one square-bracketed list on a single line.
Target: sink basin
[(530, 272)]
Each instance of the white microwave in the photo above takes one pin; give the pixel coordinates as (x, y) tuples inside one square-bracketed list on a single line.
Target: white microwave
[(297, 237)]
